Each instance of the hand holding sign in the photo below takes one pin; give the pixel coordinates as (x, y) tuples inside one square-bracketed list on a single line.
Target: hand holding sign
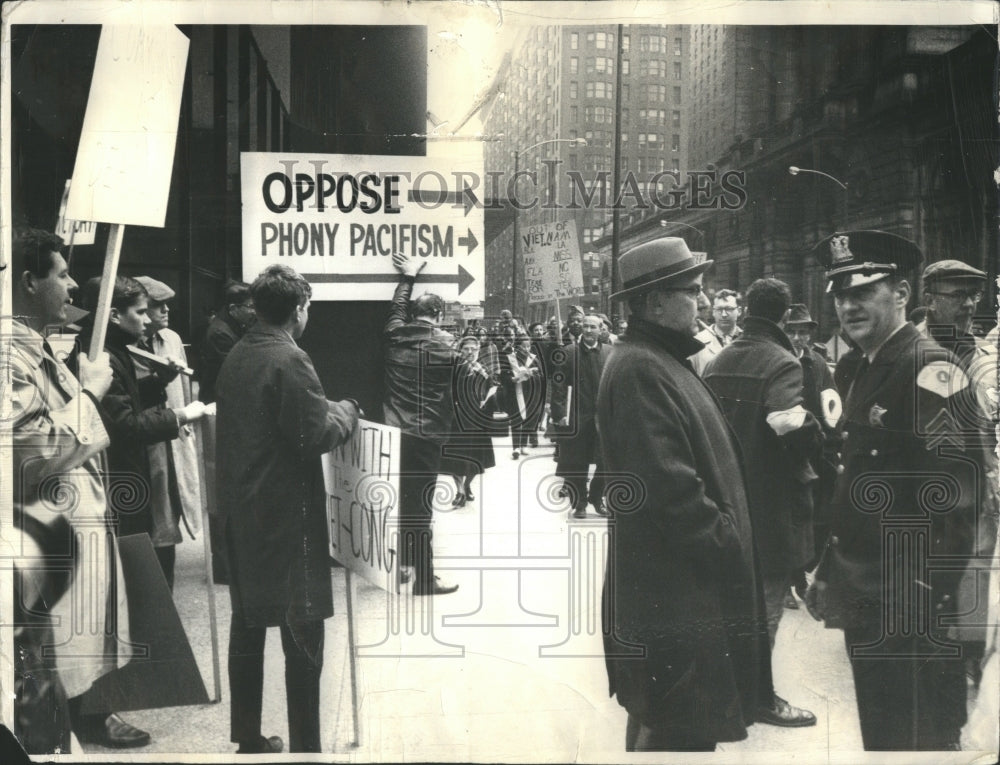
[(406, 265)]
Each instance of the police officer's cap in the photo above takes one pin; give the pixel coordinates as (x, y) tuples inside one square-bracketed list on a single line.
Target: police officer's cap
[(855, 258), (952, 269)]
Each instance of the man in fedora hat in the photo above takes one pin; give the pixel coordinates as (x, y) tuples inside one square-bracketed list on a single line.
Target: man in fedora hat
[(820, 397), (952, 290), (759, 384), (681, 578), (906, 497)]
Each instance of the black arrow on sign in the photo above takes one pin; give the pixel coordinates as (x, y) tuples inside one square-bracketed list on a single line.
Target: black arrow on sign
[(468, 241), (465, 198), (462, 278)]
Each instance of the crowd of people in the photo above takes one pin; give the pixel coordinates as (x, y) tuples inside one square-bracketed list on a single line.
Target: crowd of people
[(772, 471)]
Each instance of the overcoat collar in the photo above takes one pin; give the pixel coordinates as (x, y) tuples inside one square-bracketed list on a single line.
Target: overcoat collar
[(676, 343), (757, 327)]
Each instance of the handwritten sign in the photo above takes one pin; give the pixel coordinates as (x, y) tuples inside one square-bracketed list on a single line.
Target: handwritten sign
[(76, 232), (552, 268), (362, 486)]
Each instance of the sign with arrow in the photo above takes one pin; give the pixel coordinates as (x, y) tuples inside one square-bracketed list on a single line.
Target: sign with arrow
[(338, 218)]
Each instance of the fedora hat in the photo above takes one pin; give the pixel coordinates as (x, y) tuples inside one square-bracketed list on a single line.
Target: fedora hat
[(798, 316), (657, 264)]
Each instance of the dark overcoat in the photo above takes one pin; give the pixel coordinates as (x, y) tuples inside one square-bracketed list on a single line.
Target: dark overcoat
[(681, 579), (754, 376), (274, 422), (135, 416), (579, 369)]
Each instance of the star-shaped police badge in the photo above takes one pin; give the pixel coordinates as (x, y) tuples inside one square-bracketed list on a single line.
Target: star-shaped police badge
[(876, 415)]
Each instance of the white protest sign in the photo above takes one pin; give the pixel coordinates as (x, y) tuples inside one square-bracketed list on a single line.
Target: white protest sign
[(126, 152), (552, 267), (361, 478), (338, 218), (73, 231)]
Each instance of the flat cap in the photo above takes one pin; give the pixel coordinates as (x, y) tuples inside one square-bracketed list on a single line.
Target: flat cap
[(157, 290), (854, 258), (952, 269)]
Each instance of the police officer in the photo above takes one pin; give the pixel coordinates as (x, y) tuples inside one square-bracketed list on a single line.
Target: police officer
[(904, 504)]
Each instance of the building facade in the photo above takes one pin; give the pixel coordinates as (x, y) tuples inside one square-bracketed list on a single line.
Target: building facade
[(556, 119)]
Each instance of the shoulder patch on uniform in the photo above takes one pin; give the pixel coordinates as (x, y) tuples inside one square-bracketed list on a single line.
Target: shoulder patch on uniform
[(942, 378), (832, 406)]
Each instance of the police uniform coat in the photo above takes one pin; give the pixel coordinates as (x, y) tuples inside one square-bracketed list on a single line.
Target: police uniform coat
[(753, 377), (681, 579), (274, 422), (907, 495)]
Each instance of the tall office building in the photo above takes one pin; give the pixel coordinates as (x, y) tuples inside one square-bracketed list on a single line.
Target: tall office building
[(558, 90)]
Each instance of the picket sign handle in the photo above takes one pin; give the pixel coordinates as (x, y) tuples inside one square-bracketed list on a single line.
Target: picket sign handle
[(114, 251)]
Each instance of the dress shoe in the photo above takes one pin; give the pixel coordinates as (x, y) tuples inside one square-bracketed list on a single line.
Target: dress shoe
[(436, 588), (459, 500), (403, 576), (470, 496), (601, 510), (563, 492), (515, 455), (269, 745), (112, 732), (580, 512), (784, 715)]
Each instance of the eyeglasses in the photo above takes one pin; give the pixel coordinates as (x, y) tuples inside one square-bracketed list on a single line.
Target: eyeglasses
[(962, 295), (692, 291), (726, 308)]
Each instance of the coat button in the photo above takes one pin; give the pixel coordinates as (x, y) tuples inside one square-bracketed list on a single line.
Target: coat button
[(84, 438), (840, 469), (874, 452), (844, 435)]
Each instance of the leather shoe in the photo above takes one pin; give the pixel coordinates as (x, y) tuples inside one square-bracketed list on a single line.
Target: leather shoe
[(470, 496), (436, 588), (602, 510), (269, 745), (784, 715), (580, 512), (114, 733)]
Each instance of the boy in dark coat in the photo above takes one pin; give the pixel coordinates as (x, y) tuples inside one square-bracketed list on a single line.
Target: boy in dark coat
[(274, 423)]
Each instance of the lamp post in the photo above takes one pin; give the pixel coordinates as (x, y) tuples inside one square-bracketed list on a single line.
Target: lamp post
[(793, 170), (513, 249)]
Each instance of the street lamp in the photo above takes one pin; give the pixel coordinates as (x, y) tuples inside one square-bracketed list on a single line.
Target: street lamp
[(793, 170), (513, 249)]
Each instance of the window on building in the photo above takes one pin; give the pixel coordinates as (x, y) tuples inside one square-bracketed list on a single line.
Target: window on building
[(573, 89), (675, 143), (677, 94), (675, 118), (675, 165), (624, 66), (574, 41), (677, 70), (678, 42), (625, 91), (574, 114), (626, 41), (574, 65)]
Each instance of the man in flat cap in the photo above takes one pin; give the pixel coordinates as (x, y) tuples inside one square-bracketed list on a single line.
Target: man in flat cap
[(681, 578), (175, 492), (952, 290), (904, 506)]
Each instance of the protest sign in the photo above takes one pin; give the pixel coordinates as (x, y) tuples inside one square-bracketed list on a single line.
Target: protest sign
[(361, 478), (73, 232), (552, 267), (338, 218)]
